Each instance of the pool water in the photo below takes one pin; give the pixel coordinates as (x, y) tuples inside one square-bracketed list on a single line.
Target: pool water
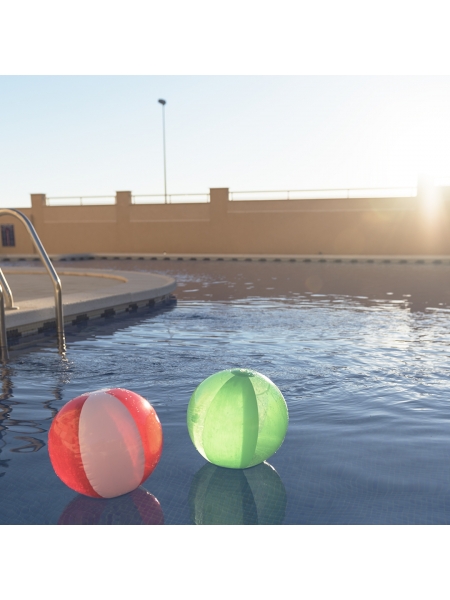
[(361, 354)]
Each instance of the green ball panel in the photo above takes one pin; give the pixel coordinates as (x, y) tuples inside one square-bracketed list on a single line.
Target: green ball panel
[(199, 405), (230, 429), (273, 419)]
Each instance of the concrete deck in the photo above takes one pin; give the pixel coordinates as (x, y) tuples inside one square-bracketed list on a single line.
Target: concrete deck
[(86, 294)]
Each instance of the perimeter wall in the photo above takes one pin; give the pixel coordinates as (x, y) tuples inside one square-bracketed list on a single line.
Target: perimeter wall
[(347, 226)]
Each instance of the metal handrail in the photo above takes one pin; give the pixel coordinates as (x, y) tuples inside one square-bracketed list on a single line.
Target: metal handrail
[(364, 192), (53, 275), (411, 191), (170, 196), (80, 198), (3, 339), (336, 189), (6, 292), (190, 194)]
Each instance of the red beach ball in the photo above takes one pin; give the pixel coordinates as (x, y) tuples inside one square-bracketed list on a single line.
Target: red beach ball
[(105, 443)]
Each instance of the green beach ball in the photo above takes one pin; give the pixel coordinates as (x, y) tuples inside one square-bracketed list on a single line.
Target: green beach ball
[(237, 418)]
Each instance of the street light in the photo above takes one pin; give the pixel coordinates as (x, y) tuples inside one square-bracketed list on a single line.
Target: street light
[(163, 102)]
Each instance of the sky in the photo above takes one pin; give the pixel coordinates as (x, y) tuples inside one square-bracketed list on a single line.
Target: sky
[(259, 96), (82, 135)]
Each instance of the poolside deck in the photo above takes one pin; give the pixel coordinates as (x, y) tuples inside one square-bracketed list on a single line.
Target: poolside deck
[(87, 294)]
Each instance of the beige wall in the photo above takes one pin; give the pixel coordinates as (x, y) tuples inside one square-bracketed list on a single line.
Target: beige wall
[(370, 226)]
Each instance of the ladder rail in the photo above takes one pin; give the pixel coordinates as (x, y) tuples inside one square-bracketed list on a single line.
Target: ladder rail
[(6, 292), (3, 339)]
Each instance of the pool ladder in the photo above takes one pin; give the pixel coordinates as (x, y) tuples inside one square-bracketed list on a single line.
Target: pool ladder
[(6, 298)]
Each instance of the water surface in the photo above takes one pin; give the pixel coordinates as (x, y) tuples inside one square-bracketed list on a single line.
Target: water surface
[(360, 352)]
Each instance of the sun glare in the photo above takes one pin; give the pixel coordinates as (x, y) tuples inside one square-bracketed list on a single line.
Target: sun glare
[(403, 136)]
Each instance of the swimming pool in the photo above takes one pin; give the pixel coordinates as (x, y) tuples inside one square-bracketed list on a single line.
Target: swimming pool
[(360, 352)]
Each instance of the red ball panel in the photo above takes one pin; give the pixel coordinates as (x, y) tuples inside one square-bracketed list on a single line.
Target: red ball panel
[(64, 448), (153, 442), (148, 425)]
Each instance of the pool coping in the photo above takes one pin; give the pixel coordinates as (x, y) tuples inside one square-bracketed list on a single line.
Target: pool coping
[(319, 258)]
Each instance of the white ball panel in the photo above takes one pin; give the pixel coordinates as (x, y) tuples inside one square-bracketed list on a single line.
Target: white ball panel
[(110, 445)]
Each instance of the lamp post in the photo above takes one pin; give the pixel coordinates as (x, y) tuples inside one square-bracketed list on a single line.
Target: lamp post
[(163, 102)]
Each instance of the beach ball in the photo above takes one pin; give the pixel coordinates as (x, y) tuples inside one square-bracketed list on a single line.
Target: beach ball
[(105, 443), (237, 418)]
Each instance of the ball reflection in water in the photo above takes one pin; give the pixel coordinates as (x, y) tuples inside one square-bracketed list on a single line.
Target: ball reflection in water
[(254, 496), (136, 508)]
